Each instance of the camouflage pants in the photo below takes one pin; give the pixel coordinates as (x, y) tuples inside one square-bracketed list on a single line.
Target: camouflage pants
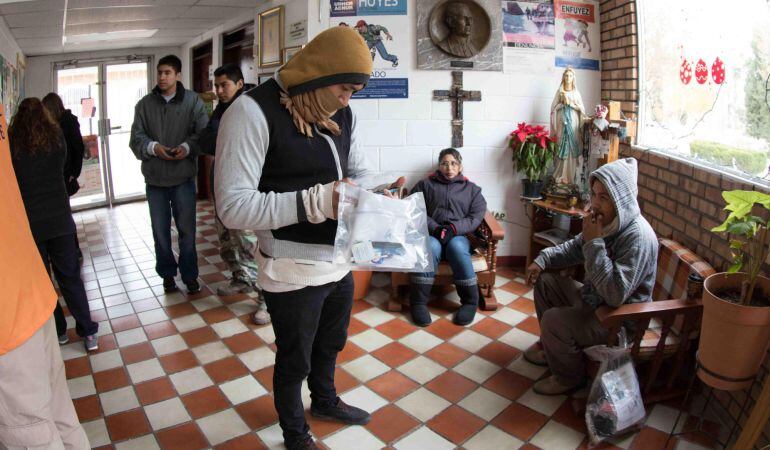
[(237, 247)]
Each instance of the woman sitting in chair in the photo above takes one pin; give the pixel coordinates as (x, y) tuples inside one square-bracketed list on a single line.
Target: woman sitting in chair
[(455, 208)]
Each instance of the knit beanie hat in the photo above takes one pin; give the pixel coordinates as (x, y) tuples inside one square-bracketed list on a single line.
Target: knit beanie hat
[(336, 56)]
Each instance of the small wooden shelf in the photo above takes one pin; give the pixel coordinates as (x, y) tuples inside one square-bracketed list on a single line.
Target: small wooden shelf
[(541, 213)]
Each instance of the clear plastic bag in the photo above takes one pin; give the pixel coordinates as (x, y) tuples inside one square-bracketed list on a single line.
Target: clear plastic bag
[(379, 233), (615, 405)]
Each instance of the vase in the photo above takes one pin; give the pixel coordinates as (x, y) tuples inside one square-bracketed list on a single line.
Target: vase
[(532, 189)]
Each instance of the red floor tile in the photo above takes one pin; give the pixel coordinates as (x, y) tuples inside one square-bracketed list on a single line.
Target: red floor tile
[(226, 369), (649, 438), (127, 425), (394, 354), (180, 309), (444, 329), (491, 328), (205, 401), (392, 385), (216, 315), (178, 361), (508, 384), (77, 367), (499, 353), (350, 352), (390, 423), (246, 442), (108, 380), (125, 323), (456, 424), (356, 326), (107, 343), (242, 342), (136, 353), (395, 329), (566, 415), (160, 329), (258, 413), (88, 408), (200, 336), (524, 305), (322, 428), (520, 421), (517, 288), (155, 391), (182, 437), (447, 355), (530, 325), (265, 377), (451, 386)]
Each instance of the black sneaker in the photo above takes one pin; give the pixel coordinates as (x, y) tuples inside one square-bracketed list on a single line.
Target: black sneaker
[(341, 412), (193, 287), (305, 444), (169, 285)]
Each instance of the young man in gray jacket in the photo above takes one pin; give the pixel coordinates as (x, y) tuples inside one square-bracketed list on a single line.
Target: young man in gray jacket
[(164, 136), (619, 251)]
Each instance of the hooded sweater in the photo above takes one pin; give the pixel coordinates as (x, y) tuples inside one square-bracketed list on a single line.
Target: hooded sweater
[(620, 267)]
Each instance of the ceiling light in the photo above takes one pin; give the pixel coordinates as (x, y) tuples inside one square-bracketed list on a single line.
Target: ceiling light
[(108, 36)]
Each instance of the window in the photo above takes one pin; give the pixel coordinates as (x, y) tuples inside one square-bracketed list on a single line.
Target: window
[(704, 71)]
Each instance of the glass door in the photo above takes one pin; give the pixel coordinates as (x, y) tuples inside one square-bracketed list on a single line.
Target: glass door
[(102, 95), (79, 89)]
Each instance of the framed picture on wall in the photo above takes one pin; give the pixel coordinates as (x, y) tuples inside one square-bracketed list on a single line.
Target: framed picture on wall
[(288, 52), (270, 41)]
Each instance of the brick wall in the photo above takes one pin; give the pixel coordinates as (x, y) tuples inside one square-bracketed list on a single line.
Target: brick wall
[(680, 200)]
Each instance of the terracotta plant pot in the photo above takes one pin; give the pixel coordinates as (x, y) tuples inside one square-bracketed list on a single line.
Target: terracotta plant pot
[(734, 338), (361, 282)]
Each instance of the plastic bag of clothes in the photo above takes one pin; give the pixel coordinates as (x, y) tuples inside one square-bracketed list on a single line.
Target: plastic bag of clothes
[(615, 404), (380, 233)]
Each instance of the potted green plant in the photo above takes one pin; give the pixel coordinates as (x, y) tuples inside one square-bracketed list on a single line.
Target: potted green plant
[(533, 151), (736, 304)]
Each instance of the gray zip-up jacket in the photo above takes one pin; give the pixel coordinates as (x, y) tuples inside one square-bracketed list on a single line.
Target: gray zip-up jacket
[(176, 122), (619, 268)]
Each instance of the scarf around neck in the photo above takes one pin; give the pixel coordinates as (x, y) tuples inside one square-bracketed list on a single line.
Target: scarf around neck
[(313, 107)]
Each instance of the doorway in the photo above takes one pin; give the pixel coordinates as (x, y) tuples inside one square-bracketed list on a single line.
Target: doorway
[(102, 95)]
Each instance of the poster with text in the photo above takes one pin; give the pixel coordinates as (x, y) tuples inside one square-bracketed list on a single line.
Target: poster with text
[(528, 24), (577, 34), (383, 24)]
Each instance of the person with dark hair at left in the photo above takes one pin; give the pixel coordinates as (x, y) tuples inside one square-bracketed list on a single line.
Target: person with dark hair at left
[(455, 208), (235, 246), (164, 136), (38, 153)]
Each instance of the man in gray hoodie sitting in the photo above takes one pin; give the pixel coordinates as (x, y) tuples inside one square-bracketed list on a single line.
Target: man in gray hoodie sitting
[(619, 251)]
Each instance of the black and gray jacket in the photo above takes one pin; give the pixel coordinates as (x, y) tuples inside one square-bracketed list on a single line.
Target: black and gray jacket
[(172, 123), (457, 202)]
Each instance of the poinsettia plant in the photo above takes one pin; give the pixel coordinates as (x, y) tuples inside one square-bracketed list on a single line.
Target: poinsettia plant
[(533, 150)]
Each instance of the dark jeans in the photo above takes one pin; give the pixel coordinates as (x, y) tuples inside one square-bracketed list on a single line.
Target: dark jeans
[(311, 327), (61, 253), (178, 201)]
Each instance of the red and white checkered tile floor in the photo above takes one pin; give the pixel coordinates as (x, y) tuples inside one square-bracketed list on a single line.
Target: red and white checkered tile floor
[(188, 372)]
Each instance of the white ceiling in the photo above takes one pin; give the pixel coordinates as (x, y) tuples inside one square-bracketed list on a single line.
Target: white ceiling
[(39, 25)]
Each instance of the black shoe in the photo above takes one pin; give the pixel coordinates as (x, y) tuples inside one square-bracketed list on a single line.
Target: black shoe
[(341, 412), (305, 444), (169, 285), (418, 304), (469, 297), (193, 287)]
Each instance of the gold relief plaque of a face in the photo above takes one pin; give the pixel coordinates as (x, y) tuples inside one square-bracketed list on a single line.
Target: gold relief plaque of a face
[(460, 28)]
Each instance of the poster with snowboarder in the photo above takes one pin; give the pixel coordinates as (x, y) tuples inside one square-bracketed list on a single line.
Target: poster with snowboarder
[(383, 25), (577, 34)]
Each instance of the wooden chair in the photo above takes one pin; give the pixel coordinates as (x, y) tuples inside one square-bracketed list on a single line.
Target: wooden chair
[(667, 327), (484, 264)]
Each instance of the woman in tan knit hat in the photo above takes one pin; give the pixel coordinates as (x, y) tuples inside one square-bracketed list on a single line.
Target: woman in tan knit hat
[(281, 150)]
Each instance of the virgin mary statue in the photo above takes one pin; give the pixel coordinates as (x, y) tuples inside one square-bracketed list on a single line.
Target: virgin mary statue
[(567, 114)]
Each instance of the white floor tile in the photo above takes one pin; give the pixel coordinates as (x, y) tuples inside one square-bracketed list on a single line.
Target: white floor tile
[(229, 328), (365, 368), (105, 361), (169, 344), (510, 316), (364, 398), (188, 322), (420, 341), (492, 438), (422, 439), (118, 400), (146, 442), (206, 303), (422, 369), (374, 316), (152, 316), (120, 310), (97, 433), (470, 340), (353, 438), (544, 404), (81, 386), (242, 389), (243, 307), (504, 297), (370, 340), (519, 339), (190, 380), (477, 369), (258, 358), (145, 370), (662, 418), (485, 403), (222, 426), (526, 369), (166, 413), (555, 436), (130, 337), (423, 404), (272, 437), (72, 350), (266, 333), (213, 351)]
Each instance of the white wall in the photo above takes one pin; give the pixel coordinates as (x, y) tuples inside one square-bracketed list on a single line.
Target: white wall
[(40, 68), (294, 10), (8, 46)]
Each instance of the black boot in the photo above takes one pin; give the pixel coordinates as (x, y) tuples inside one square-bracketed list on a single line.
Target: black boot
[(418, 304), (469, 298)]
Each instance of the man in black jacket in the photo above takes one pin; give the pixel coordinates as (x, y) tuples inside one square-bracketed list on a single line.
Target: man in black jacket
[(235, 246)]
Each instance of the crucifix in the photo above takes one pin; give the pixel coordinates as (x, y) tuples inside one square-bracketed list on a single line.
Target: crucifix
[(457, 96)]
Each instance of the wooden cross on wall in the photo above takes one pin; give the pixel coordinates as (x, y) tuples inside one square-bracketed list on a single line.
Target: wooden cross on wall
[(457, 96)]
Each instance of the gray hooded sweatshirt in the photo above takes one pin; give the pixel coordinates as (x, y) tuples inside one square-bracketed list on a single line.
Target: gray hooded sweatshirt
[(620, 267)]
